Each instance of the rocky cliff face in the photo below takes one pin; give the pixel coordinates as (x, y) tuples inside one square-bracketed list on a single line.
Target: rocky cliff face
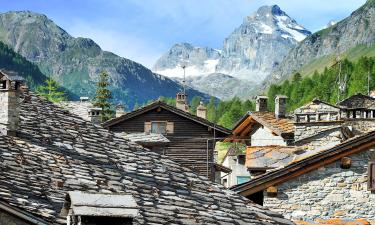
[(357, 29), (220, 85), (77, 62), (249, 54), (260, 44), (198, 61)]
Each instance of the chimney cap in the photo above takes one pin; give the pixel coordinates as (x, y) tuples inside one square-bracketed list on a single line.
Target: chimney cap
[(201, 106), (280, 96), (261, 97), (84, 98)]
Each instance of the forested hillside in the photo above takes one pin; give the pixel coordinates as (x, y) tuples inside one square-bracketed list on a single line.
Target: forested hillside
[(10, 60), (325, 85)]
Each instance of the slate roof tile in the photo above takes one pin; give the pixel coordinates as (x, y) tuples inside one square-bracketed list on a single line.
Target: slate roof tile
[(56, 152)]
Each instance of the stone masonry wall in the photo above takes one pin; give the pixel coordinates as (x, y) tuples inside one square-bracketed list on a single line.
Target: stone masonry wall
[(304, 130), (9, 111), (329, 192)]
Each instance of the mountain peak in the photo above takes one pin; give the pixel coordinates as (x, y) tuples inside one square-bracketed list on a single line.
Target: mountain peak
[(272, 9)]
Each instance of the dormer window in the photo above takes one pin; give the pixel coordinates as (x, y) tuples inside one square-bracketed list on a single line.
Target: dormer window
[(83, 208), (159, 127)]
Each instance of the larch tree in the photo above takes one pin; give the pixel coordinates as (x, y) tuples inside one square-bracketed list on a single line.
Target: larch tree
[(103, 96), (51, 90)]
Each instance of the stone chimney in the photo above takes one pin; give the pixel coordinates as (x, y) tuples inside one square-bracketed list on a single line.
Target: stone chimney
[(120, 110), (84, 99), (280, 106), (261, 103), (201, 111), (10, 89), (181, 101), (95, 115)]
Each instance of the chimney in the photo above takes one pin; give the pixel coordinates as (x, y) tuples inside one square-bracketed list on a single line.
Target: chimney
[(280, 106), (84, 99), (181, 101), (95, 115), (201, 111), (120, 110), (261, 104), (10, 89)]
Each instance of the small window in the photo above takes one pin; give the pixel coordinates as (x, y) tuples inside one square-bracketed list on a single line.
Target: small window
[(371, 176), (159, 127), (242, 179)]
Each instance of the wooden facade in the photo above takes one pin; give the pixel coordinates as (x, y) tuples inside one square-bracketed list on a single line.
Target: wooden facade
[(192, 139)]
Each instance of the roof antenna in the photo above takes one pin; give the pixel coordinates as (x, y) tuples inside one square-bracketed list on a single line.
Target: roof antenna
[(183, 81)]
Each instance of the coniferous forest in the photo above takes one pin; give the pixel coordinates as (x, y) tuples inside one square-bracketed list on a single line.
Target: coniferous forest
[(325, 86)]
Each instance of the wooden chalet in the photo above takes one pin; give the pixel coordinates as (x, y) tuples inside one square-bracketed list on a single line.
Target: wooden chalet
[(191, 138)]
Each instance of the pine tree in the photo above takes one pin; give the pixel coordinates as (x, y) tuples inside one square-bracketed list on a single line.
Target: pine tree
[(103, 95), (51, 90)]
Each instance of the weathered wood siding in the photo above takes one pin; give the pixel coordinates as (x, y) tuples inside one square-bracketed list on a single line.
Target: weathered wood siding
[(188, 144)]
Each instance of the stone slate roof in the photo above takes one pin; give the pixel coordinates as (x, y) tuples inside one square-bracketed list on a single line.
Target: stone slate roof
[(358, 101), (79, 108), (269, 156), (56, 152), (144, 137), (11, 75), (307, 162), (279, 126), (283, 127), (170, 108)]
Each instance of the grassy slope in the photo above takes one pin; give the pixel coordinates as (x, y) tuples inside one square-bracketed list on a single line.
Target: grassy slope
[(326, 61)]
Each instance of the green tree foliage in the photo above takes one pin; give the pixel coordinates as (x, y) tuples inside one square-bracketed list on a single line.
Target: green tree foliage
[(51, 90), (168, 100), (103, 96), (325, 85), (11, 60)]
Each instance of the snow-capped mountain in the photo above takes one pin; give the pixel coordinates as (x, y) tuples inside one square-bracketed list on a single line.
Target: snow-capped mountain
[(260, 43), (198, 61), (249, 53)]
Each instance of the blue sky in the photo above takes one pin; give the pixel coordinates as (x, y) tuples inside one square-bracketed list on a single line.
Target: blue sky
[(142, 30)]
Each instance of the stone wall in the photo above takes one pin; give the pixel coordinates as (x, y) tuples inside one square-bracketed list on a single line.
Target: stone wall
[(361, 126), (263, 137), (9, 111), (304, 130), (329, 192)]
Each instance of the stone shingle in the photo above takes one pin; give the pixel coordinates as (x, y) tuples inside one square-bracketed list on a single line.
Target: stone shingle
[(56, 152)]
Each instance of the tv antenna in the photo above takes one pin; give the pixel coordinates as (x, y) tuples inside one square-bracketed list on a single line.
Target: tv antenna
[(342, 80), (183, 81)]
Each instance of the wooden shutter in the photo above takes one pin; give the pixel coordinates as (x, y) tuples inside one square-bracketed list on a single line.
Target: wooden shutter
[(170, 127), (371, 176), (147, 127)]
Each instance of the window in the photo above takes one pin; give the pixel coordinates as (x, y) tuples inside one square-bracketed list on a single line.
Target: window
[(371, 176), (158, 127), (242, 179)]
